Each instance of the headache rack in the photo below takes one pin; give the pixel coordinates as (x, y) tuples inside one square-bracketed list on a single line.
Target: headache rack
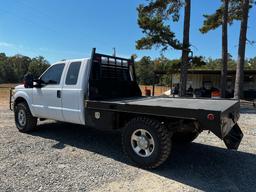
[(112, 67), (112, 77)]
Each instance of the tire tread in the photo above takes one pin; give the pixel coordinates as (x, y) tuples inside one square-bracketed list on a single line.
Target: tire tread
[(164, 138)]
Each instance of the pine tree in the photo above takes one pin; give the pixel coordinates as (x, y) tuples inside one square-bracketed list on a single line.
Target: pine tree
[(229, 11), (241, 50), (153, 19)]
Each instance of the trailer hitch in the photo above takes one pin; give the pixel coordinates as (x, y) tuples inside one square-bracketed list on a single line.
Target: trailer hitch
[(233, 139)]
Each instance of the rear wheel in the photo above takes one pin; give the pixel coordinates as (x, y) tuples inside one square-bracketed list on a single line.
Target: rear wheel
[(146, 142), (24, 120)]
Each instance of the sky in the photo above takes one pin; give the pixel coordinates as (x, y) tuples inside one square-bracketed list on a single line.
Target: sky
[(69, 29)]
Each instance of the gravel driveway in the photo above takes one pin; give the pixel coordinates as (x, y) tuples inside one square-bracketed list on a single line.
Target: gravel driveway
[(66, 157)]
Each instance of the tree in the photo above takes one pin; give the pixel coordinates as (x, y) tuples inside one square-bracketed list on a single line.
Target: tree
[(251, 63), (241, 50), (7, 73), (145, 71), (221, 18), (152, 19), (185, 50), (20, 64), (224, 70), (37, 66)]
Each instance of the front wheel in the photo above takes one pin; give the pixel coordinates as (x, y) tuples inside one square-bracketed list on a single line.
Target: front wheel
[(24, 120), (146, 142)]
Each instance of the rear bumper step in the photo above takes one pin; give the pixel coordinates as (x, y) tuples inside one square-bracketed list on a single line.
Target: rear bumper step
[(233, 139)]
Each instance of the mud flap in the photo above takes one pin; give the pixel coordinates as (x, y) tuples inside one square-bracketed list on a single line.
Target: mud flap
[(233, 139)]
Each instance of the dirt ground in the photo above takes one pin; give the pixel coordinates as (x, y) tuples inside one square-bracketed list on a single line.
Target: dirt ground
[(65, 157)]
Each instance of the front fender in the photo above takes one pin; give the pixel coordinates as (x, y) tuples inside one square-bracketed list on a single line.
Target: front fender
[(26, 96)]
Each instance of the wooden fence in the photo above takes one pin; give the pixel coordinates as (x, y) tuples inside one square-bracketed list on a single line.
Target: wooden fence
[(159, 90)]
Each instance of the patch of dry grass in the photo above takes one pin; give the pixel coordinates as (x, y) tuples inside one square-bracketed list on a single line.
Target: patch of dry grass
[(5, 93), (4, 97), (8, 85)]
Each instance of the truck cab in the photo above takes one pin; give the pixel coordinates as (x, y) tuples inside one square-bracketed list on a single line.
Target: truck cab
[(59, 92)]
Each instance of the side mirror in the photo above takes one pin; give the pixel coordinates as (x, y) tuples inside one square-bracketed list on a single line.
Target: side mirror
[(38, 83), (28, 80)]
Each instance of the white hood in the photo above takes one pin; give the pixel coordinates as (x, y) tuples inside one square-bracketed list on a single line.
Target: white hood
[(19, 87)]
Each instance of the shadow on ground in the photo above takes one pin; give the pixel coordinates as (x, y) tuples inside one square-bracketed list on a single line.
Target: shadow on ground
[(200, 166), (248, 110)]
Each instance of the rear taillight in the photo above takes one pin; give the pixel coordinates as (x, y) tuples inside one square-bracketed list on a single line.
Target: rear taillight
[(210, 117)]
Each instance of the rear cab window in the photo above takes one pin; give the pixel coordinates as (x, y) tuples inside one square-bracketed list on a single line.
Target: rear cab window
[(73, 72)]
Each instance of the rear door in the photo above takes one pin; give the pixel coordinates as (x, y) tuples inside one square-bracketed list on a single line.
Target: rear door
[(72, 93), (47, 100)]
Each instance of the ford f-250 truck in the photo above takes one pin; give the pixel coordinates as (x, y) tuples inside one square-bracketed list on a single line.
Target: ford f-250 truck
[(102, 92)]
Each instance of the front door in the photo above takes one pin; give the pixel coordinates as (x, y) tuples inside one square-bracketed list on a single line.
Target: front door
[(47, 101)]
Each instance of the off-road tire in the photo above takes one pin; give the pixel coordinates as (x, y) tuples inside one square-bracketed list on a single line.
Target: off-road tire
[(162, 140), (30, 121)]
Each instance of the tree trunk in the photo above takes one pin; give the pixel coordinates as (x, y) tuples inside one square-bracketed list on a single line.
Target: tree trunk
[(224, 49), (185, 51), (241, 51)]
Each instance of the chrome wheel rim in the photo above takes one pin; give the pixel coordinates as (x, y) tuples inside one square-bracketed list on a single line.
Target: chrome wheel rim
[(142, 143), (22, 117)]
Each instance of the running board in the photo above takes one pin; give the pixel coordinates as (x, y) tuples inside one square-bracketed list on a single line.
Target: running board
[(233, 139)]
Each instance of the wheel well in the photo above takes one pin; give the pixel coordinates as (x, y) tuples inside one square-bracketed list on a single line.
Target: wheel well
[(124, 118), (19, 100), (173, 124)]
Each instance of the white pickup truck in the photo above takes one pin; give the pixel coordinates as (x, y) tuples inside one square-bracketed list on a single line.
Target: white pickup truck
[(102, 92)]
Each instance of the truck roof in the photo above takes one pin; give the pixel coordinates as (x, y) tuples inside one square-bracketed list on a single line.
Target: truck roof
[(70, 60), (104, 60)]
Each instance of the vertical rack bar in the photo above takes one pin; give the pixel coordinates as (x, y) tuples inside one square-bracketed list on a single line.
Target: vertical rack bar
[(133, 68)]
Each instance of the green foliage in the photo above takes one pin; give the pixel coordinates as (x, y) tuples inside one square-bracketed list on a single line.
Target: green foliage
[(250, 63), (152, 19), (146, 67), (215, 20), (37, 66), (145, 71), (215, 64), (20, 65), (13, 69), (7, 73)]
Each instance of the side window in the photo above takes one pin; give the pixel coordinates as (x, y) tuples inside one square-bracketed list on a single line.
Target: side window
[(53, 74), (72, 74)]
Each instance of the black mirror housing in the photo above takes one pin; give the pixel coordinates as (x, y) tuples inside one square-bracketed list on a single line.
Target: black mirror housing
[(28, 80), (38, 83)]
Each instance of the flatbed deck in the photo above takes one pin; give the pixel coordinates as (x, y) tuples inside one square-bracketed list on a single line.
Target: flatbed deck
[(167, 106), (180, 108)]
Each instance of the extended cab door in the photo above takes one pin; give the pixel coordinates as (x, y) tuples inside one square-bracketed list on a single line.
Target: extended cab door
[(47, 101), (73, 93)]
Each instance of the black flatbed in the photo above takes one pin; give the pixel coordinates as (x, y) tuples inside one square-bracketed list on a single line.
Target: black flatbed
[(114, 99), (167, 106), (181, 108)]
